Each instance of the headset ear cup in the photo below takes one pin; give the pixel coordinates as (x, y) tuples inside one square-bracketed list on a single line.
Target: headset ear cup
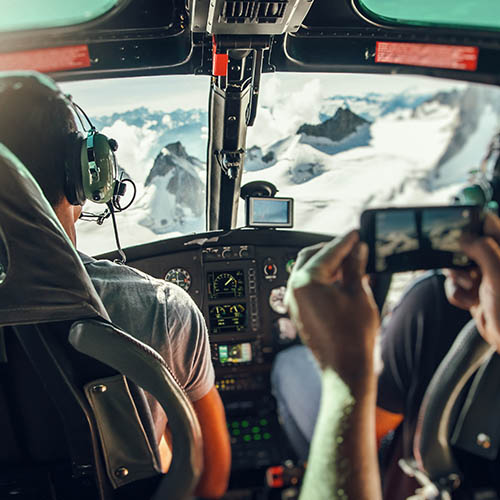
[(73, 168)]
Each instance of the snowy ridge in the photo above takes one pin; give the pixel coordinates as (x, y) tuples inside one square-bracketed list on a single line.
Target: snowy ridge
[(418, 148)]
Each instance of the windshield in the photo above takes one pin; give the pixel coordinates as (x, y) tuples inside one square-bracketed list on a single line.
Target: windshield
[(160, 124), (335, 143), (33, 14), (466, 13)]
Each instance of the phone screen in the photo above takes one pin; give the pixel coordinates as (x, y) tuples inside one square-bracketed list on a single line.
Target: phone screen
[(404, 239)]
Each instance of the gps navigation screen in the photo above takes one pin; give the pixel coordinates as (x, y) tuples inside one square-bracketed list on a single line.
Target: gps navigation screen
[(270, 212)]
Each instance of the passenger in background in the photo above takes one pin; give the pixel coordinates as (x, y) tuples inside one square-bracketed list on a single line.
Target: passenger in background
[(330, 300), (414, 339), (38, 125)]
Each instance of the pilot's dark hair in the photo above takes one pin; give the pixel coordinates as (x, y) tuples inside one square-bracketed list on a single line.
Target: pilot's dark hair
[(35, 122)]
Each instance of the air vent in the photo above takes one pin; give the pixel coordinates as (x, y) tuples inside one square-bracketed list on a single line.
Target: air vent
[(252, 11)]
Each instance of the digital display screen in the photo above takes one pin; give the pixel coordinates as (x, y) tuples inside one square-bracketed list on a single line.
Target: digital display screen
[(227, 318), (405, 236), (226, 284), (235, 353), (270, 212)]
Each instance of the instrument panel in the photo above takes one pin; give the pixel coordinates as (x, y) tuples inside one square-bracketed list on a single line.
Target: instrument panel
[(238, 280)]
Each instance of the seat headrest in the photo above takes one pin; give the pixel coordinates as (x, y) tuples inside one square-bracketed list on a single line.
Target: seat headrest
[(42, 278)]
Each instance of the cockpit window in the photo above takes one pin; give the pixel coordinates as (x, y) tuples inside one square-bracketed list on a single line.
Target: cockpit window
[(335, 143), (160, 124), (33, 14), (464, 14), (338, 144)]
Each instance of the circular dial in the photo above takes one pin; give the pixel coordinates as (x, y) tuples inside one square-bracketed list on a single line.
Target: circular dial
[(180, 277), (289, 265), (225, 284), (277, 300)]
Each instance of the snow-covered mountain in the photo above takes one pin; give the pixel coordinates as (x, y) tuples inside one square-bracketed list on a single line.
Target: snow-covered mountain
[(416, 149), (175, 192), (348, 153)]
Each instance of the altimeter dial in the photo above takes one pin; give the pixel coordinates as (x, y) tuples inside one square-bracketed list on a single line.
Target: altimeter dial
[(180, 277)]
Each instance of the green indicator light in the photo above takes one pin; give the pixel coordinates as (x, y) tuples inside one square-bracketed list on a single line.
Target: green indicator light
[(247, 437), (244, 423), (255, 430), (267, 435), (263, 421), (257, 437), (235, 424), (236, 432)]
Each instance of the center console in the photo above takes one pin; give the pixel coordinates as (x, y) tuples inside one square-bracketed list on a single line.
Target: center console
[(242, 354)]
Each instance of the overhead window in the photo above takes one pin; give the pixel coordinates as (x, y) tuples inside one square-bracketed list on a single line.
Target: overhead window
[(482, 14), (34, 14)]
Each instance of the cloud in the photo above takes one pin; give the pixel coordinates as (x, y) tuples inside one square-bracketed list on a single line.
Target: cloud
[(284, 108), (135, 152)]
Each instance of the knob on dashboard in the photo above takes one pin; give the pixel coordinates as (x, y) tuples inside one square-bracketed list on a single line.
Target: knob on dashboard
[(226, 252), (270, 270), (243, 253)]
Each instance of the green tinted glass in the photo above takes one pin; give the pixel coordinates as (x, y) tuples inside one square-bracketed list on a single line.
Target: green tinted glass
[(33, 14), (453, 13)]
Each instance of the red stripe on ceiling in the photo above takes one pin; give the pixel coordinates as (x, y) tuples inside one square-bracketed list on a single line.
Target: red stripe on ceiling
[(428, 54), (47, 60)]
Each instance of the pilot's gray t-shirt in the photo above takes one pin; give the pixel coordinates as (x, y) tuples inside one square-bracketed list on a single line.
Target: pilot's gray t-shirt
[(161, 315)]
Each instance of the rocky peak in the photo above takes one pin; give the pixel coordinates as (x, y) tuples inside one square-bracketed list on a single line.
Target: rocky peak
[(177, 149), (172, 156), (336, 128)]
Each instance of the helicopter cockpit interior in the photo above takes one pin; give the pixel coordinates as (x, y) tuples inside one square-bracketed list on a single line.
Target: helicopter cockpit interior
[(226, 228)]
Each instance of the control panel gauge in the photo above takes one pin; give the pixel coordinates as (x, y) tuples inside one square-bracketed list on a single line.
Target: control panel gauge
[(226, 284), (289, 265), (179, 276), (270, 270), (277, 300), (227, 318), (235, 353)]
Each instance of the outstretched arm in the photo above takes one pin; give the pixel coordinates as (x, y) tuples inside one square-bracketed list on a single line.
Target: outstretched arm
[(330, 301)]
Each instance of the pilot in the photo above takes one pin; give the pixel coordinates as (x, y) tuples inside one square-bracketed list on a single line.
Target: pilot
[(38, 124), (331, 302)]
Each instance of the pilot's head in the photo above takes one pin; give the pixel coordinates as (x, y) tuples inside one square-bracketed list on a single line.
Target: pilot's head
[(36, 124)]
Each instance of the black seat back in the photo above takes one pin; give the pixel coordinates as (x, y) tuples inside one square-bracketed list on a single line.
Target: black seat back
[(67, 419)]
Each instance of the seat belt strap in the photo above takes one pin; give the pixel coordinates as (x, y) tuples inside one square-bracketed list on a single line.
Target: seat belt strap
[(478, 431)]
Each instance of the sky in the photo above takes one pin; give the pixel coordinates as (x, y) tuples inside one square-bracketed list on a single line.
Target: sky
[(168, 93)]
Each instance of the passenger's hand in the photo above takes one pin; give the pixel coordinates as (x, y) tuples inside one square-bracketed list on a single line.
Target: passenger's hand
[(485, 251), (330, 300), (462, 287)]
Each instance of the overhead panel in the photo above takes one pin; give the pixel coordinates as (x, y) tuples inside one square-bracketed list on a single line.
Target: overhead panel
[(248, 17), (474, 14)]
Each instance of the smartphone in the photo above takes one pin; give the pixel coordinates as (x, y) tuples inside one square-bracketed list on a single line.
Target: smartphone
[(411, 238)]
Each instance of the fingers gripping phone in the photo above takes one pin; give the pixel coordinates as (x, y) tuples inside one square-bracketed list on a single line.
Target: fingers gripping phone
[(411, 238)]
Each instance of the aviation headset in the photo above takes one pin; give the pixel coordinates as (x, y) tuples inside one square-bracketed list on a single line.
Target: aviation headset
[(90, 166)]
